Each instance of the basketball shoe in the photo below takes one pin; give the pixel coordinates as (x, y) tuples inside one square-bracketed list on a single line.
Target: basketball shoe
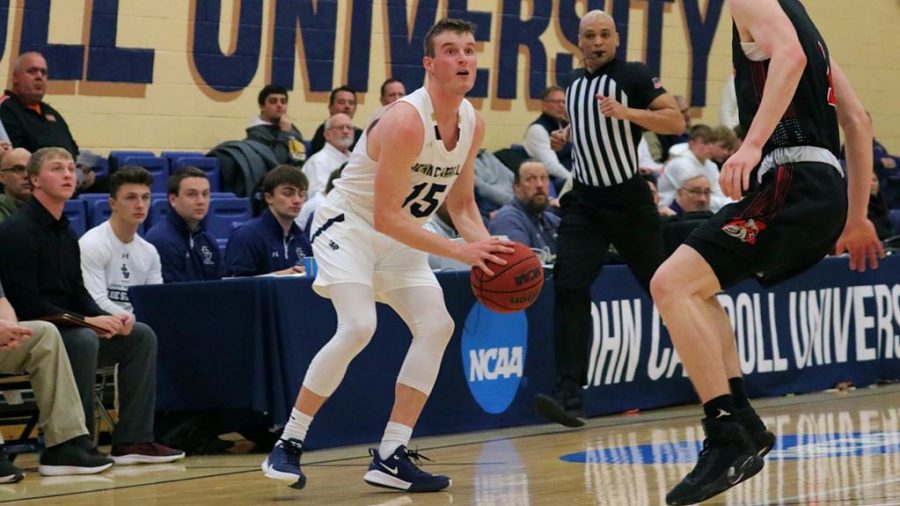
[(763, 440), (728, 458), (564, 407), (283, 463), (399, 472)]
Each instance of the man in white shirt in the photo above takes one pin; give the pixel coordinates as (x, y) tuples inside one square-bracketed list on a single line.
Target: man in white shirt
[(696, 159), (338, 139), (537, 136), (113, 256)]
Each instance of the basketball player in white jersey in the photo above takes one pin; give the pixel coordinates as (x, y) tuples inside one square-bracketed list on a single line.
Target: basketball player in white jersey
[(370, 245)]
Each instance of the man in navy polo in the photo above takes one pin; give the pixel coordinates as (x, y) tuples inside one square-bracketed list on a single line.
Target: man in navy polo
[(187, 251), (272, 242)]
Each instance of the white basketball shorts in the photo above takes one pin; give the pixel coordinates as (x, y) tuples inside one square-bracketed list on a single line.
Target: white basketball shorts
[(349, 250)]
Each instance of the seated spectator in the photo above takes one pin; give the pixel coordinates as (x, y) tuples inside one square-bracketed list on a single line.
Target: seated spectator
[(441, 223), (695, 159), (16, 187), (526, 219), (32, 123), (339, 138), (537, 136), (646, 163), (341, 100), (879, 213), (493, 183), (36, 348), (41, 272), (186, 250), (273, 126), (113, 256), (725, 144), (391, 91), (694, 194), (272, 242), (308, 211)]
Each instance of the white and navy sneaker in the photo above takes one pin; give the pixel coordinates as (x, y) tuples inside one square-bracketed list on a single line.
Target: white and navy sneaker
[(283, 463), (400, 473)]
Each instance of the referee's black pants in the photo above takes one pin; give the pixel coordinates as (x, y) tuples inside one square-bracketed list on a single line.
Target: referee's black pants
[(593, 218)]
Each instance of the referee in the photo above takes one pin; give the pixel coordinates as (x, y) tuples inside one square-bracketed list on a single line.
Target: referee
[(610, 103)]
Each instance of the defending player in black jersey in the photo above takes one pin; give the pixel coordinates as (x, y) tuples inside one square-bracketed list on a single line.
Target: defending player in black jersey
[(797, 204)]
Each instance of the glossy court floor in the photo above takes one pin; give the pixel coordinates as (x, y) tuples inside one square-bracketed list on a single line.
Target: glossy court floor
[(835, 448)]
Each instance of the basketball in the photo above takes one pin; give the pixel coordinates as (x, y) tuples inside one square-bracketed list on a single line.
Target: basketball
[(514, 286)]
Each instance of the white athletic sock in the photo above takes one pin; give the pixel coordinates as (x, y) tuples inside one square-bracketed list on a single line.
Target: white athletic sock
[(297, 426), (395, 435)]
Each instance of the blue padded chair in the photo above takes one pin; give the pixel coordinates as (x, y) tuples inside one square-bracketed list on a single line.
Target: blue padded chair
[(76, 213), (895, 220), (171, 156), (159, 208), (98, 211), (116, 158), (208, 164), (157, 166), (102, 167), (226, 214)]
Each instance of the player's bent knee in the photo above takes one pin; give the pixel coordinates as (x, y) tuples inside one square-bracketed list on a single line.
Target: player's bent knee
[(662, 284), (357, 331)]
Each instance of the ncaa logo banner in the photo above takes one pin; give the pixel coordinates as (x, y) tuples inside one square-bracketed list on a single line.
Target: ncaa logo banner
[(493, 349)]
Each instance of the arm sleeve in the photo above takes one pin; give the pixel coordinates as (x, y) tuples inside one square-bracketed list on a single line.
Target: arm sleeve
[(171, 263), (240, 258), (645, 87), (155, 276), (94, 257), (508, 224), (13, 126), (537, 145), (19, 268)]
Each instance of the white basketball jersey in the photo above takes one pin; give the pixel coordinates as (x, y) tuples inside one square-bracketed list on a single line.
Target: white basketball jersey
[(433, 172)]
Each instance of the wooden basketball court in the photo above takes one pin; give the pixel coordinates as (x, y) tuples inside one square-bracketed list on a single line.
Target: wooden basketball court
[(835, 448)]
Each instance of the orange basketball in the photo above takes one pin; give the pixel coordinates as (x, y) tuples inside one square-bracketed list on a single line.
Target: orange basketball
[(514, 286)]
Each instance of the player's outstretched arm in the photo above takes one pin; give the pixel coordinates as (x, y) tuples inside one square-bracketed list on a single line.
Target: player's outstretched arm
[(859, 238), (766, 24), (394, 142)]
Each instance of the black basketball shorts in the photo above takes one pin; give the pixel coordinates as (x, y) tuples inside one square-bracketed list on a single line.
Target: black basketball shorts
[(779, 229)]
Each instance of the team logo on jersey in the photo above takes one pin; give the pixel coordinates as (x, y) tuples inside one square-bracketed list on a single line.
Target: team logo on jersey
[(493, 347), (744, 230), (657, 84), (125, 273), (333, 245), (207, 255)]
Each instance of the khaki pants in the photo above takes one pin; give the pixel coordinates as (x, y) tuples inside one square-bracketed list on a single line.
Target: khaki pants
[(44, 358)]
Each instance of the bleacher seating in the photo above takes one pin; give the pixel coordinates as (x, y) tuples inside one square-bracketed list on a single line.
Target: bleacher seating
[(157, 166), (226, 214), (75, 212), (174, 155), (116, 157), (209, 165)]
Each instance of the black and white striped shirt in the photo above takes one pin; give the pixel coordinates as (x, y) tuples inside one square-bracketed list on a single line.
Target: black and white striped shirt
[(605, 149)]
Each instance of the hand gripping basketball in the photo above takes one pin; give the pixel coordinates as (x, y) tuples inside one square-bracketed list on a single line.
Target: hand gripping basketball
[(514, 286)]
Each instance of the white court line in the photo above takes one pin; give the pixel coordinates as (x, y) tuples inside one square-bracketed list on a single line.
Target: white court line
[(782, 500)]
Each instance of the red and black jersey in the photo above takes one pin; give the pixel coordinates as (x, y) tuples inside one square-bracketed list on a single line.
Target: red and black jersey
[(811, 117)]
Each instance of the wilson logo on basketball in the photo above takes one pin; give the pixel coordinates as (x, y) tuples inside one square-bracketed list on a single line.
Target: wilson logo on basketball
[(529, 276), (512, 287)]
